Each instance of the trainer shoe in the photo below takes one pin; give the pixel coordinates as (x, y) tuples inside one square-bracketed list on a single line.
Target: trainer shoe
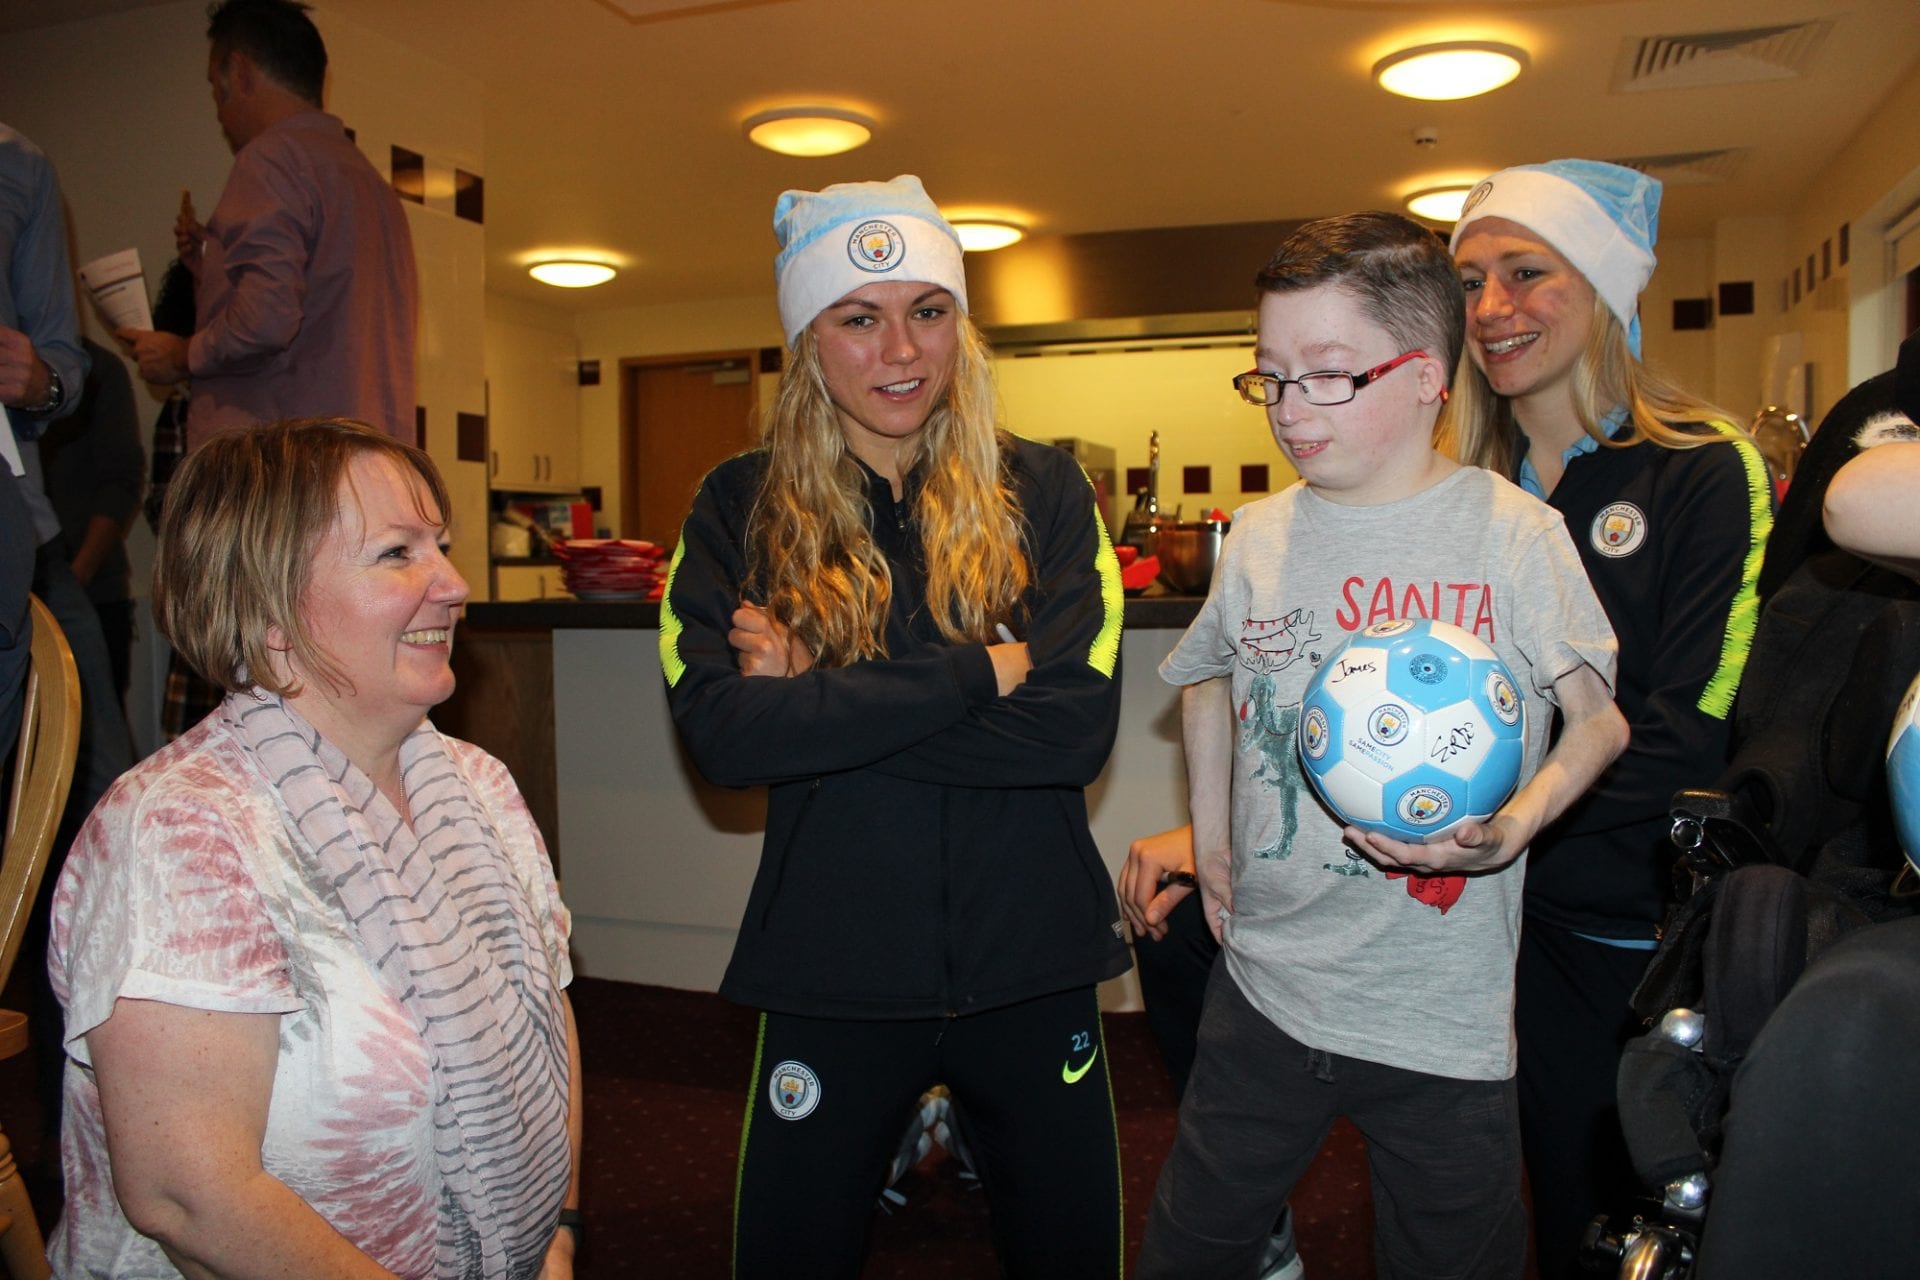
[(951, 1134), (1281, 1261), (918, 1139)]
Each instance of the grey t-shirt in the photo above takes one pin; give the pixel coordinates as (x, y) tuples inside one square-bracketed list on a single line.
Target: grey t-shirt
[(1412, 972)]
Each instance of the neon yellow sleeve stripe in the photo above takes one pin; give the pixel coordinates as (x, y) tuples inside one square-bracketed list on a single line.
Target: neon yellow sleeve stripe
[(670, 624), (1104, 656), (746, 1131), (1743, 617)]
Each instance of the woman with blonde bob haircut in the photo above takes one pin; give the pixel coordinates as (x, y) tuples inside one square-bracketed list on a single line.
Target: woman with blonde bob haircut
[(261, 510), (311, 953), (1670, 506), (906, 623)]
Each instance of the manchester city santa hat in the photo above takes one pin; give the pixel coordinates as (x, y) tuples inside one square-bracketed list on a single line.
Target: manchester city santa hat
[(1603, 218), (851, 234)]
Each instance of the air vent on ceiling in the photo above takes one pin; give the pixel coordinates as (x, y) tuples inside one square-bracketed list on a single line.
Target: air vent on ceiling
[(1689, 168), (1719, 57)]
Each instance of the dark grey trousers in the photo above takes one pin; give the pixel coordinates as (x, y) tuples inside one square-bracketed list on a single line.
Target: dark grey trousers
[(1444, 1156)]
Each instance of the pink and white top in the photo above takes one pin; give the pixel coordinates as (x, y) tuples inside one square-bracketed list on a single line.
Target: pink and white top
[(185, 886)]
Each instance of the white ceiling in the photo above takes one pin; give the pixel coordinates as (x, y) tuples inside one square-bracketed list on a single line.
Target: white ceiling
[(623, 135)]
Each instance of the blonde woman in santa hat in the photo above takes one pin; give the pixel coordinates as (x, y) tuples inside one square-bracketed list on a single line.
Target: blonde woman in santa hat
[(1670, 506), (905, 622)]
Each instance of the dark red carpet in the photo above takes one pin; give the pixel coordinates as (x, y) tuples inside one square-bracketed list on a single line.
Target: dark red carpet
[(666, 1079)]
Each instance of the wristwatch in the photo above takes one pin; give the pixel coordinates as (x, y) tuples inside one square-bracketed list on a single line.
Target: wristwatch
[(56, 394), (570, 1219)]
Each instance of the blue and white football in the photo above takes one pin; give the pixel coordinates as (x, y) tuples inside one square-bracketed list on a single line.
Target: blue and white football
[(1411, 728), (1903, 772)]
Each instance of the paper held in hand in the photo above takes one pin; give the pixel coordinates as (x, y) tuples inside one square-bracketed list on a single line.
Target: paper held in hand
[(9, 447), (118, 286)]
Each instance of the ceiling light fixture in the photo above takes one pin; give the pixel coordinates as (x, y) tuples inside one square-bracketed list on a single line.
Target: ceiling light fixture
[(808, 131), (1450, 70), (978, 235), (1439, 204), (571, 273)]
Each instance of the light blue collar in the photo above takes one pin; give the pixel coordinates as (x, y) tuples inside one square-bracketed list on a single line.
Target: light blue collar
[(1529, 478)]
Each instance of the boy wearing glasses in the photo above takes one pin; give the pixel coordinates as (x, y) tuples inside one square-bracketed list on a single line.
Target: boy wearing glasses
[(1364, 977)]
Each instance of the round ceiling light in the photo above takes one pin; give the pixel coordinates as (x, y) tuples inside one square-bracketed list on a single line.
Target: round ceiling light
[(808, 131), (1454, 69), (978, 235), (1439, 204), (571, 273)]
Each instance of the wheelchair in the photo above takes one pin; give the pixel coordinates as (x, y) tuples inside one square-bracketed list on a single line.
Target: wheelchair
[(1788, 852), (1741, 940)]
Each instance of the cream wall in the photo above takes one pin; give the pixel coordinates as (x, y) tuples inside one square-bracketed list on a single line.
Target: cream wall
[(1746, 248), (1119, 398), (120, 104), (532, 402), (1869, 183), (1723, 363), (1112, 397), (723, 324), (531, 315), (1685, 271)]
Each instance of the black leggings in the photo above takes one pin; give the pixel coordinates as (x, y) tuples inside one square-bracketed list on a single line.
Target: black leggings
[(1573, 1015), (831, 1098), (1173, 984)]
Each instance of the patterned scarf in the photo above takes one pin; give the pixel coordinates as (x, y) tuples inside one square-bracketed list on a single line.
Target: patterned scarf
[(442, 921)]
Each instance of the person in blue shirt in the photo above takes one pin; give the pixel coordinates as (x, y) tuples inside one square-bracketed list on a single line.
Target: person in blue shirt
[(42, 368)]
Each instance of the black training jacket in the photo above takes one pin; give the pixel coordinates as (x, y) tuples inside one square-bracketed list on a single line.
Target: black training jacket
[(1671, 539), (927, 850)]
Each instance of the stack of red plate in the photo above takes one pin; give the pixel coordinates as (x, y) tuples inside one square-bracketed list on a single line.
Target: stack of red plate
[(613, 569)]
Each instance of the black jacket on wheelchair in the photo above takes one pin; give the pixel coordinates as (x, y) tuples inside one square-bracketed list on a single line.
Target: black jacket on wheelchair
[(1772, 1088)]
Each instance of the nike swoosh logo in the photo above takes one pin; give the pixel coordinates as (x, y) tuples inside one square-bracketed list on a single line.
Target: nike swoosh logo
[(1071, 1076)]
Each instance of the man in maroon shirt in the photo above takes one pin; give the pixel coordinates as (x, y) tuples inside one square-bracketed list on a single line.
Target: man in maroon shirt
[(305, 294)]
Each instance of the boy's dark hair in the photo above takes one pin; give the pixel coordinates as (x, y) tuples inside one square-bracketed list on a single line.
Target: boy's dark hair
[(278, 35), (1400, 271)]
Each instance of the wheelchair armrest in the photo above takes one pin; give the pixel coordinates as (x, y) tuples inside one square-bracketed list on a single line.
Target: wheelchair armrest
[(1716, 830)]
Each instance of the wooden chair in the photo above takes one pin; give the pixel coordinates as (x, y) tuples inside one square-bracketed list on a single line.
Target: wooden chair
[(43, 771)]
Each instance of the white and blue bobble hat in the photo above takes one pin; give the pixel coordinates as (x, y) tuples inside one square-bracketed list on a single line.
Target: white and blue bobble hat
[(855, 233), (1603, 218)]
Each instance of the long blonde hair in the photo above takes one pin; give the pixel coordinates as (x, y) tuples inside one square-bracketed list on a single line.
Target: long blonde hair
[(1478, 425), (809, 548)]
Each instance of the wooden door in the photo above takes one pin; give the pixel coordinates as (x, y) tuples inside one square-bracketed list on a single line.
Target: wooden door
[(680, 417)]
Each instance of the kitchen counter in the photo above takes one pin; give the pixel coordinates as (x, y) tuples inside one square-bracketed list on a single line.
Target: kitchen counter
[(1144, 612), (657, 862)]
